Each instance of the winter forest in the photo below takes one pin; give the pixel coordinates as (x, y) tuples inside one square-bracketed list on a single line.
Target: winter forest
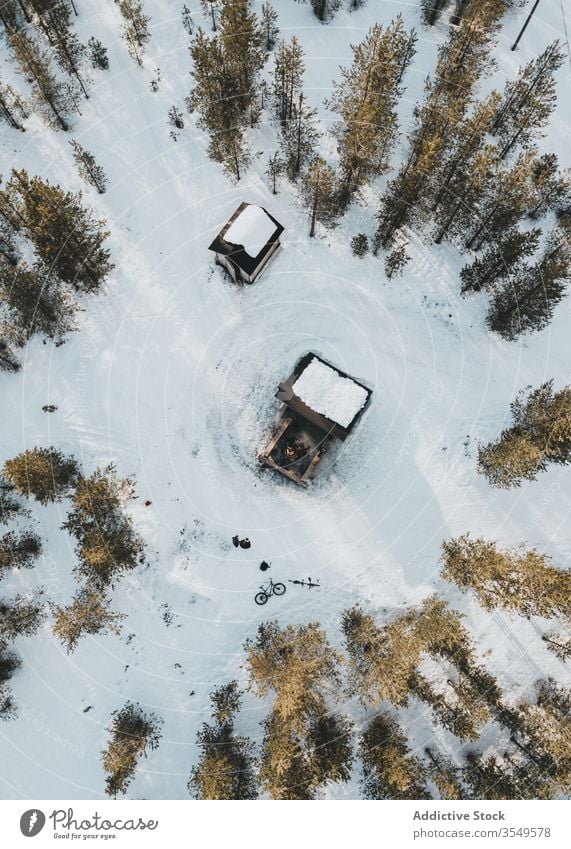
[(420, 169)]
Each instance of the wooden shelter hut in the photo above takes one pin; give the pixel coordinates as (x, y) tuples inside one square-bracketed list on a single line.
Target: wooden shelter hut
[(247, 242)]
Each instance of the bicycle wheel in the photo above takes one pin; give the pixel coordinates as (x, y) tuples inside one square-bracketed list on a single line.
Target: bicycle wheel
[(261, 598), (279, 589)]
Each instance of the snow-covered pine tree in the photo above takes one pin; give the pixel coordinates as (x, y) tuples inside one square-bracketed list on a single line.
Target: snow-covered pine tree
[(98, 54), (21, 617), (545, 732), (299, 138), (366, 100), (65, 234), (19, 550), (10, 15), (528, 101), (133, 733), (270, 27), (135, 29), (44, 473), (552, 186), (526, 303), (396, 261), (390, 770), (226, 766), (12, 107), (360, 244), (287, 78), (88, 168), (319, 192), (89, 613), (520, 580), (499, 260), (54, 99)]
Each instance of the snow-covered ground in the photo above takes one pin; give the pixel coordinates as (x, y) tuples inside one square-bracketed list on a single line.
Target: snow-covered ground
[(172, 376)]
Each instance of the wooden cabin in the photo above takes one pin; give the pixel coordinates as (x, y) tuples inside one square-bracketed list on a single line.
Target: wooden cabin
[(247, 242), (319, 403)]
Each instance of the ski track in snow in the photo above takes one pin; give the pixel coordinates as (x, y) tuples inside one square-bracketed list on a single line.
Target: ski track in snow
[(172, 376)]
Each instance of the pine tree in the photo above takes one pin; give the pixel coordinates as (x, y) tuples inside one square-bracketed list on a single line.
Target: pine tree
[(366, 100), (10, 15), (7, 242), (360, 245), (528, 101), (9, 663), (324, 9), (88, 613), (98, 54), (520, 580), (19, 550), (133, 733), (88, 168), (211, 10), (445, 775), (243, 49), (8, 361), (226, 765), (545, 727), (135, 29), (318, 191), (20, 618), (44, 473), (12, 108), (269, 26), (559, 644), (528, 301), (107, 543), (298, 664), (54, 99), (175, 118), (275, 169), (65, 234), (390, 771), (69, 51), (10, 507), (490, 779), (431, 10), (299, 138), (552, 187), (499, 260), (460, 708), (287, 79), (186, 16), (298, 760), (540, 434)]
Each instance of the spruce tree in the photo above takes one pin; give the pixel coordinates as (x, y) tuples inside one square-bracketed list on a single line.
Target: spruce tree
[(19, 550), (133, 733), (520, 580), (225, 769), (287, 79), (366, 100), (319, 194), (10, 15), (275, 169), (69, 51), (54, 99), (270, 27), (44, 473), (552, 187), (390, 771), (445, 775), (459, 707), (396, 261), (490, 779), (88, 613), (8, 360), (324, 9), (88, 168), (299, 138), (107, 544), (10, 506), (431, 10), (98, 54), (186, 16), (135, 29), (528, 101), (559, 644), (510, 460), (243, 49), (545, 732), (499, 260), (9, 663)]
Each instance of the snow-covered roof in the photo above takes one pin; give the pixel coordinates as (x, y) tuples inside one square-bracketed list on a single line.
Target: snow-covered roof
[(252, 228), (330, 394)]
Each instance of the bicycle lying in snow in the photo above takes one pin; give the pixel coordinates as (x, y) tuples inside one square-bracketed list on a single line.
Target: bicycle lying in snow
[(267, 590)]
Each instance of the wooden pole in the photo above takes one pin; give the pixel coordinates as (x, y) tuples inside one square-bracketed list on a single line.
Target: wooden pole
[(523, 29)]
